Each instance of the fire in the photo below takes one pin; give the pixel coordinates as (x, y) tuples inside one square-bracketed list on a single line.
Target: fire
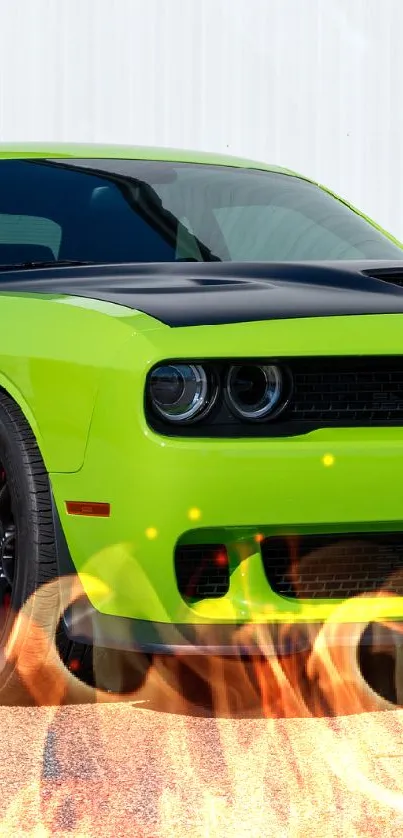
[(279, 745)]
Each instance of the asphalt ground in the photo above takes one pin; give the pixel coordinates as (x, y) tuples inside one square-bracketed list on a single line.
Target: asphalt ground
[(158, 765), (120, 770), (203, 747)]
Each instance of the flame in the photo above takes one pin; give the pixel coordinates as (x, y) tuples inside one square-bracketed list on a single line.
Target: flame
[(302, 725)]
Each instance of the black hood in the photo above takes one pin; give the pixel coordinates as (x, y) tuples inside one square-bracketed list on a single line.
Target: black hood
[(196, 294)]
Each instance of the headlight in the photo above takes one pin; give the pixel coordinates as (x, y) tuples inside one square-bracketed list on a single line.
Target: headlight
[(181, 392), (255, 391)]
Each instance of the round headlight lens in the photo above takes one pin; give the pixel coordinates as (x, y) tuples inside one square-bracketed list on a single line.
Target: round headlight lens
[(179, 392), (253, 391)]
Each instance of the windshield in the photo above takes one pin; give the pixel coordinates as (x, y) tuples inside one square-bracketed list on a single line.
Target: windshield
[(146, 211)]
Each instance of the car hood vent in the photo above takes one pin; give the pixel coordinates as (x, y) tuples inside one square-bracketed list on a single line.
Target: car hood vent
[(393, 276)]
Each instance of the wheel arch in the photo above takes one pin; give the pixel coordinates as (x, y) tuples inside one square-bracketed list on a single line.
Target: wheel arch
[(9, 389)]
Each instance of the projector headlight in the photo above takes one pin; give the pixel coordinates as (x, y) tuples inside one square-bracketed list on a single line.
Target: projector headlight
[(254, 391), (181, 392)]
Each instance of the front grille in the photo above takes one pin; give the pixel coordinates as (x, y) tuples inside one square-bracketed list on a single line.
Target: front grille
[(334, 566), (352, 391), (202, 571)]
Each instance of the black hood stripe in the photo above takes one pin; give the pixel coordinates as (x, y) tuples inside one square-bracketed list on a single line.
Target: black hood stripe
[(217, 293)]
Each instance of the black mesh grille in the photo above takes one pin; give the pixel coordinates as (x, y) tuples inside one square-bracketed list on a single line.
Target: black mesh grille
[(335, 566), (202, 571), (350, 391)]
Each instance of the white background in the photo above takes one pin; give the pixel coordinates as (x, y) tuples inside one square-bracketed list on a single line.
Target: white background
[(314, 85)]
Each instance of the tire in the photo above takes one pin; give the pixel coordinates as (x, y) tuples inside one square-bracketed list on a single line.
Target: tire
[(31, 509), (26, 500)]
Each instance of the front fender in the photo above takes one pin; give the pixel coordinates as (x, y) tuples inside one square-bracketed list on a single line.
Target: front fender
[(53, 353)]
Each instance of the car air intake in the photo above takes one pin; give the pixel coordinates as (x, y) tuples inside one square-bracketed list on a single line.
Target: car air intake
[(202, 571), (334, 566), (394, 276)]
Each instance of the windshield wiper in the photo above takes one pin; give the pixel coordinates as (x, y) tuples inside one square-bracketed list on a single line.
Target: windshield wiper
[(193, 259), (50, 263), (61, 263)]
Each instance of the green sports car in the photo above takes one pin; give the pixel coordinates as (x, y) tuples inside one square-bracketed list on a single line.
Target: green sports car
[(201, 403)]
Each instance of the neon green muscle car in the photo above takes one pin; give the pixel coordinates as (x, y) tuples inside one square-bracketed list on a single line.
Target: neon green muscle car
[(201, 392)]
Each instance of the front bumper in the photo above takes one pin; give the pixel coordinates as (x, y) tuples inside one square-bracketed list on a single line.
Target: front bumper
[(171, 491), (164, 491), (83, 623)]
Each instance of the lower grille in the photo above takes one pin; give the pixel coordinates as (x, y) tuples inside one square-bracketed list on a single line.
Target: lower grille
[(334, 566), (202, 571)]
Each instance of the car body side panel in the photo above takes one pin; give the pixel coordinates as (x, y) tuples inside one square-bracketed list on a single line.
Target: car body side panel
[(53, 353), (161, 489)]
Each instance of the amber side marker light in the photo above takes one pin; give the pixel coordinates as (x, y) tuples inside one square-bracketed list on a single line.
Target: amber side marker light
[(92, 509)]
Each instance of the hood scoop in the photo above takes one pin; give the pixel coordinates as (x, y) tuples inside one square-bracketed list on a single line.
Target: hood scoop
[(209, 294), (393, 276)]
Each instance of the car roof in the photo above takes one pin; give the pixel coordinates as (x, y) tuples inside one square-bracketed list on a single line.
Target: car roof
[(93, 150)]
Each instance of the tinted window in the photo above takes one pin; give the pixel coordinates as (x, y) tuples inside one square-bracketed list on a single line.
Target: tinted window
[(145, 211)]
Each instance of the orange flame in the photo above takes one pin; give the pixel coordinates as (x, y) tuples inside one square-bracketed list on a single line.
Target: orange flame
[(267, 719)]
